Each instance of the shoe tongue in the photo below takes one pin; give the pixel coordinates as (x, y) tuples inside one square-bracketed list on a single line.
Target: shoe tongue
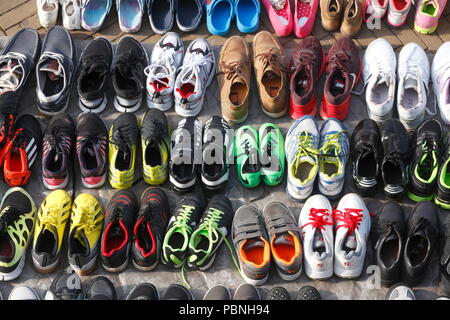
[(254, 243), (80, 235), (318, 241), (98, 68), (283, 238), (278, 4), (410, 82), (53, 68), (350, 241), (199, 47), (170, 41)]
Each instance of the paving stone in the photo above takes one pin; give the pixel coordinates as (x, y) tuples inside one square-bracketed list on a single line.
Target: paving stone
[(6, 5), (17, 14)]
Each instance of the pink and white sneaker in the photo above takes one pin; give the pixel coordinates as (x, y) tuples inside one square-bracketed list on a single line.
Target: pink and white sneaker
[(398, 12), (375, 8), (280, 15), (305, 15), (428, 14)]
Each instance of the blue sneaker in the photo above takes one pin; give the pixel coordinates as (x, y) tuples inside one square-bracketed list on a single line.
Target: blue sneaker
[(130, 14), (219, 14), (161, 15), (188, 14), (93, 13), (247, 15)]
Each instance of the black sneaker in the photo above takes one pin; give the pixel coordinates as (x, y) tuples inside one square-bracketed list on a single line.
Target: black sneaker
[(247, 292), (143, 291), (390, 233), (442, 198), (57, 152), (177, 292), (150, 228), (95, 65), (445, 257), (185, 218), (213, 229), (128, 74), (101, 288), (185, 154), (278, 293), (118, 230), (396, 150), (55, 71), (218, 293), (308, 293), (66, 286), (425, 161), (423, 235), (366, 153)]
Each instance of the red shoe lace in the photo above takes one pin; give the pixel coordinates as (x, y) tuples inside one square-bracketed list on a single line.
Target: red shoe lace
[(319, 219), (351, 219)]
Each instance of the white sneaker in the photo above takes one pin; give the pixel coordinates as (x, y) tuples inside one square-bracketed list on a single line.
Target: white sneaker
[(196, 74), (71, 14), (23, 293), (47, 12), (352, 223), (165, 60), (397, 14), (379, 68), (440, 75), (413, 79), (316, 225)]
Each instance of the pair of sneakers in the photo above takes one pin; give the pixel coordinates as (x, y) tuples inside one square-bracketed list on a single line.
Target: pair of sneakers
[(70, 11), (396, 10)]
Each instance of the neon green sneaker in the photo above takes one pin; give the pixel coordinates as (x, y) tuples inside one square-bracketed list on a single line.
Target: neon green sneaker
[(271, 146), (246, 152)]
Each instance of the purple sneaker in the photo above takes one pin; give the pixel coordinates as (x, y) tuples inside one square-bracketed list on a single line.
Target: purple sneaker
[(428, 14)]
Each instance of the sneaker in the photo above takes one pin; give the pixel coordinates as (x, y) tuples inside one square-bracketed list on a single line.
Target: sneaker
[(165, 60), (278, 293), (57, 152), (343, 72), (66, 286), (352, 18), (188, 14), (86, 225), (71, 14), (23, 293), (128, 74), (92, 143), (123, 143), (143, 291), (352, 223), (400, 291), (177, 292), (93, 14), (428, 14), (246, 152), (280, 15), (21, 152), (130, 14), (55, 71), (302, 144), (440, 76), (47, 12), (49, 231), (398, 12), (252, 245), (184, 220), (442, 198), (304, 16), (150, 228), (245, 9), (331, 12), (117, 236), (218, 292), (101, 288), (212, 230), (285, 241), (195, 75), (308, 293), (161, 15), (272, 156), (379, 73), (375, 9), (95, 66), (307, 65), (445, 257), (316, 225), (246, 292), (17, 216)]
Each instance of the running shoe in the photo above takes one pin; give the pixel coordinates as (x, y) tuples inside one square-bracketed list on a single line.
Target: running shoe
[(442, 198), (400, 291), (23, 293), (374, 9), (428, 14), (304, 16), (188, 14), (66, 286), (278, 293), (445, 256), (17, 217), (247, 292), (247, 15), (71, 14), (280, 15), (101, 288), (47, 12), (440, 76), (177, 292), (271, 146), (86, 225), (130, 14), (247, 154), (398, 12), (161, 14), (308, 293), (51, 222), (143, 291), (93, 13), (57, 152), (218, 292)]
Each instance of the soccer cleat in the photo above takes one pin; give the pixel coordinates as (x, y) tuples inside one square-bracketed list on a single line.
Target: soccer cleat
[(304, 17), (428, 14), (49, 230), (177, 292), (93, 13), (130, 14), (66, 286), (101, 288), (71, 14), (442, 198), (400, 291), (398, 12), (143, 291), (247, 154), (17, 218), (86, 225), (280, 15), (440, 76), (272, 156), (161, 14), (23, 293), (47, 12), (278, 293), (308, 293), (246, 292), (123, 143)]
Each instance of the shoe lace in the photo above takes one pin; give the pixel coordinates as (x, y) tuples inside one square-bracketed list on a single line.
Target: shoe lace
[(9, 79), (6, 125), (331, 144), (183, 217), (340, 60), (304, 147), (306, 59), (232, 70), (271, 58), (7, 216), (163, 68), (123, 137), (193, 67), (128, 63), (55, 56), (159, 131), (51, 217), (351, 219), (318, 219), (87, 221), (94, 60)]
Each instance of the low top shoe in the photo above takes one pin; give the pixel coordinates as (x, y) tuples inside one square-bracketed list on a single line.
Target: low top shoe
[(66, 286), (442, 198), (272, 157), (379, 73), (247, 154), (375, 9), (316, 225), (445, 257), (71, 14), (94, 13), (47, 12), (398, 12), (331, 12), (352, 18), (188, 14), (440, 75), (219, 16), (427, 15), (165, 60), (130, 14), (195, 75), (55, 71), (280, 15), (305, 13), (352, 223), (247, 15), (161, 15)]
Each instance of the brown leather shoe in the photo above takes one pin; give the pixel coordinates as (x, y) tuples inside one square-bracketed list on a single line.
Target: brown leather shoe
[(331, 12), (270, 64), (351, 23), (234, 76)]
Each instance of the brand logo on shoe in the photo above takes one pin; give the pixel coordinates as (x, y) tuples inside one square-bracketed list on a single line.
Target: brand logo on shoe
[(347, 264), (320, 265)]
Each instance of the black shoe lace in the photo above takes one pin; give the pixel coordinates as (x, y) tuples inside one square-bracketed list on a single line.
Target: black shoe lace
[(123, 137), (128, 64), (158, 132), (93, 62)]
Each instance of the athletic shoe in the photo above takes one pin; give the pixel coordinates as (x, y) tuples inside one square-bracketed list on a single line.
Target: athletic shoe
[(47, 12), (55, 71), (92, 142), (280, 15), (101, 288), (21, 152), (219, 15), (422, 241), (86, 225), (155, 145), (440, 76), (23, 293), (352, 18), (95, 66), (93, 14), (165, 60), (123, 143), (379, 72), (161, 15), (308, 293), (245, 9), (212, 230), (400, 291), (316, 225), (445, 257), (128, 74), (246, 292), (302, 144), (366, 151), (117, 236), (71, 14), (66, 286), (331, 12), (304, 16), (272, 157), (195, 75), (247, 154), (57, 152), (184, 220), (307, 65), (352, 223), (188, 14), (285, 241), (150, 228), (49, 231), (177, 292), (278, 293), (130, 14), (375, 9), (218, 292), (428, 14), (252, 246), (184, 154), (398, 12), (343, 68), (17, 216), (143, 291), (442, 198)]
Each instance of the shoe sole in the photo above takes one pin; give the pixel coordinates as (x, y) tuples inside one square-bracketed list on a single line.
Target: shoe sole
[(149, 268), (61, 186), (425, 30), (442, 204), (100, 108), (87, 268), (94, 186), (48, 269), (118, 269)]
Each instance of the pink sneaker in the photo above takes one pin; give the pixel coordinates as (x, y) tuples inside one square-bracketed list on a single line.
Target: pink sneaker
[(305, 15), (375, 8), (280, 15), (428, 14), (398, 12)]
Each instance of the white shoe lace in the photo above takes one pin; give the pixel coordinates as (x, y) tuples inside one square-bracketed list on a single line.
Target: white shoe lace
[(194, 67), (9, 81), (383, 71), (55, 56), (163, 68), (416, 72)]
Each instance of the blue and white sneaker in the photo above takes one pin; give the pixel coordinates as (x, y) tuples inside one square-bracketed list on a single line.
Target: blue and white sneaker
[(247, 15), (188, 14), (130, 14), (219, 15), (161, 14), (93, 13), (302, 143), (334, 152)]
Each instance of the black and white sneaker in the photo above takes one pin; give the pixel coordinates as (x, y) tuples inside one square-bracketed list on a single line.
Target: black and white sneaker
[(95, 65), (278, 293), (218, 292), (143, 291), (55, 71), (128, 74), (445, 257), (177, 292), (66, 286)]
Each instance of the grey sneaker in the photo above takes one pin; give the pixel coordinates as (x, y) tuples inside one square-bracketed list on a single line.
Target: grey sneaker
[(278, 293), (400, 291), (66, 286), (218, 293), (101, 288), (246, 292), (23, 293), (177, 292), (308, 293), (143, 291)]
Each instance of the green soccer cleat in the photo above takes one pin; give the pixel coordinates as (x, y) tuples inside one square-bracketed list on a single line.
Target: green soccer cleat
[(271, 144)]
